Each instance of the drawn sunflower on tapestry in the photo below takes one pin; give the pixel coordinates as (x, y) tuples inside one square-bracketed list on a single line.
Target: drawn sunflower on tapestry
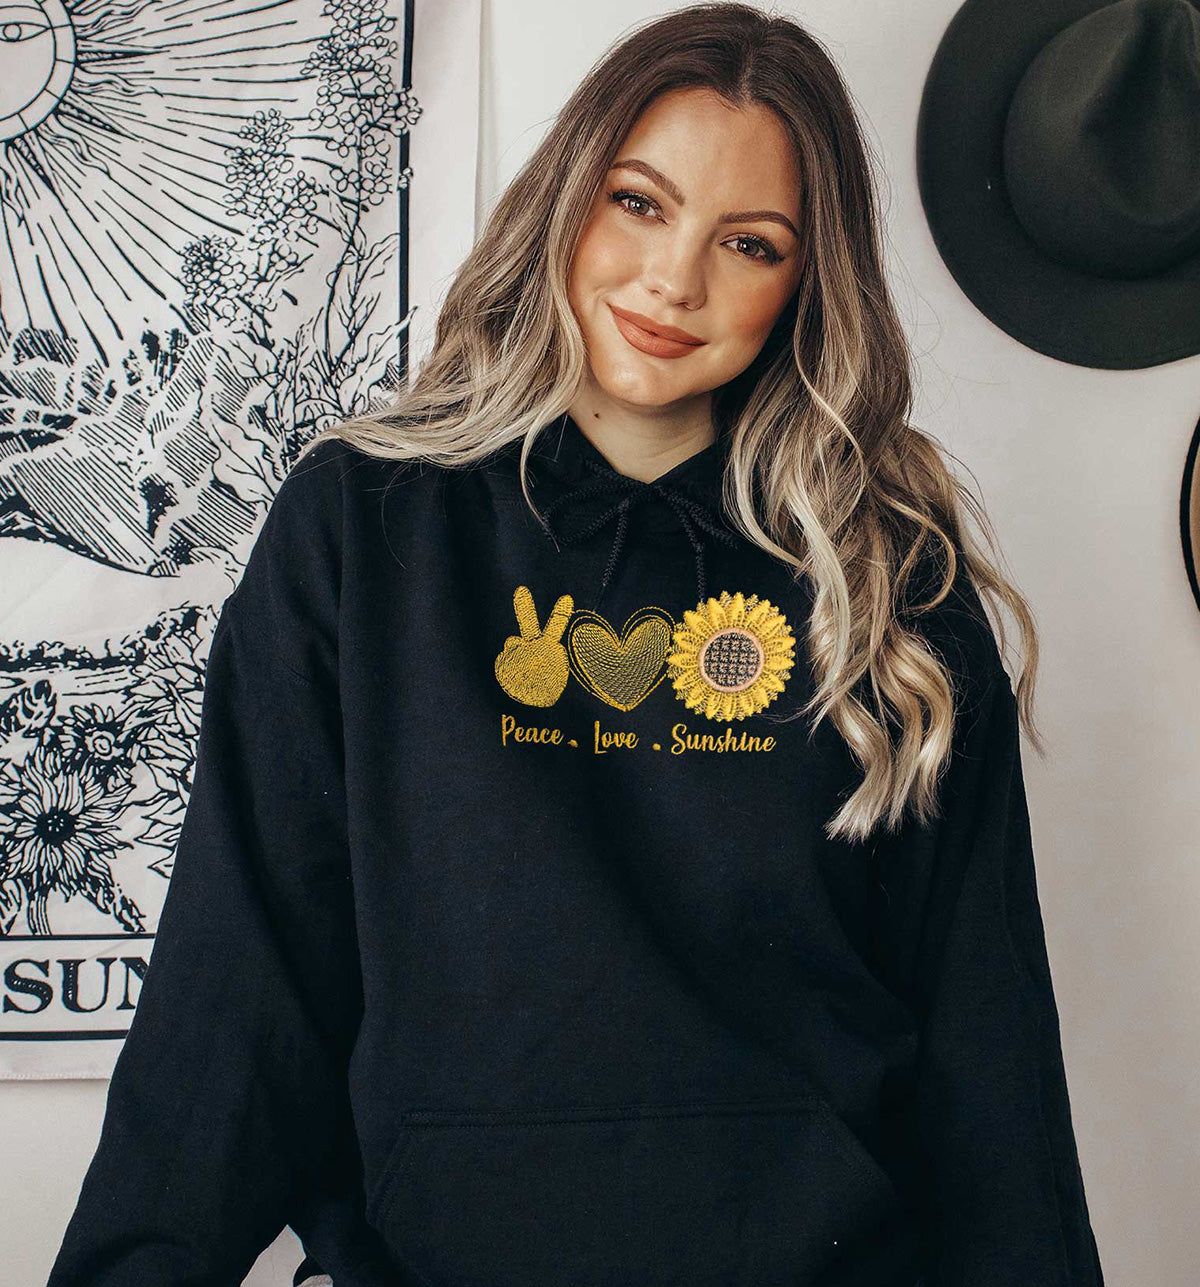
[(731, 657)]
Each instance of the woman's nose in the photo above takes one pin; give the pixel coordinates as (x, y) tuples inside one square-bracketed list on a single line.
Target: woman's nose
[(675, 271)]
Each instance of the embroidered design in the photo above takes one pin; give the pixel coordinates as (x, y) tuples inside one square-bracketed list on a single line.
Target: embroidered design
[(533, 667), (621, 671), (731, 656)]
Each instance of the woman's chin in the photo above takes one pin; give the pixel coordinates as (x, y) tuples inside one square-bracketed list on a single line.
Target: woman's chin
[(637, 383)]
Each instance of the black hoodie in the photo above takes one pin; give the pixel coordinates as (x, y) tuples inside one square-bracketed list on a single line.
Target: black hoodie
[(505, 946)]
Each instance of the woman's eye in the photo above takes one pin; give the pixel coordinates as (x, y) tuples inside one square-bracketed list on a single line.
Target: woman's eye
[(621, 197), (767, 254)]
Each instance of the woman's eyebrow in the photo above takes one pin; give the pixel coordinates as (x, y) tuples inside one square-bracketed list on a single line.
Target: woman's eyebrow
[(730, 216)]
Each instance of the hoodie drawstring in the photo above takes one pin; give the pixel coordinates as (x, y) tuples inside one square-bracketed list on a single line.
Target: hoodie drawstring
[(631, 491)]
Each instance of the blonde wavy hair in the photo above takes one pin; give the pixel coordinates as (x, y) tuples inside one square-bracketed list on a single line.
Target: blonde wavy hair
[(849, 493)]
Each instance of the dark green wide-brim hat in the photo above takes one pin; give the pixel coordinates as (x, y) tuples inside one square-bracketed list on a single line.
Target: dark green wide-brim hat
[(1058, 158)]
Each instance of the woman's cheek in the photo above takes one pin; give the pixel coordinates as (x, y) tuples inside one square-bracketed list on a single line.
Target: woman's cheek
[(606, 253), (755, 316)]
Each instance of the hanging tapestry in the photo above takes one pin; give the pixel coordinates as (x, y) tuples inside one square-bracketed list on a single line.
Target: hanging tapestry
[(222, 228)]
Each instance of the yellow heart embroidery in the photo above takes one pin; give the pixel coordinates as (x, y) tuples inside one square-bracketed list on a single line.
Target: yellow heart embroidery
[(620, 671)]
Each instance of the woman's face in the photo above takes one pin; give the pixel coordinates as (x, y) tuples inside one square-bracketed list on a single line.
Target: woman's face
[(696, 227)]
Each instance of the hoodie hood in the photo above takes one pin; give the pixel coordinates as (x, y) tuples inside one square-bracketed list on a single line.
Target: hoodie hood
[(585, 499)]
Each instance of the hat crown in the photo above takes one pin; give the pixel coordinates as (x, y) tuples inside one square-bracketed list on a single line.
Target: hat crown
[(1102, 140)]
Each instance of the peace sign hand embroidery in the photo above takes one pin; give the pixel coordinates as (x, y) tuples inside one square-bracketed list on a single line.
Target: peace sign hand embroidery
[(533, 668)]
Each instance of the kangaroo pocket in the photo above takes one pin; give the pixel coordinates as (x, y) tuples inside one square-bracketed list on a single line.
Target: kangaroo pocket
[(757, 1192)]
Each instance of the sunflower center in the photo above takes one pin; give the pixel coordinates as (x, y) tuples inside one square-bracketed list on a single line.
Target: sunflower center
[(732, 660), (55, 826)]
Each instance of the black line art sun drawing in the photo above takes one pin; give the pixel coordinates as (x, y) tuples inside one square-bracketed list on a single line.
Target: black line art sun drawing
[(203, 262), (114, 124)]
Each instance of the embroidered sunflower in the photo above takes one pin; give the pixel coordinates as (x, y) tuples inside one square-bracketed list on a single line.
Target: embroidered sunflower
[(731, 656)]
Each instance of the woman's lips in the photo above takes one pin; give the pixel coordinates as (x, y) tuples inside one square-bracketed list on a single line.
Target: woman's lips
[(647, 342)]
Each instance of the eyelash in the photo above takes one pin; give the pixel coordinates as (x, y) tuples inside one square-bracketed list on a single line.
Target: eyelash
[(770, 255)]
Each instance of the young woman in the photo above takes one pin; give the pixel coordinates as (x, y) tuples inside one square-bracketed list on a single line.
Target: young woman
[(608, 860)]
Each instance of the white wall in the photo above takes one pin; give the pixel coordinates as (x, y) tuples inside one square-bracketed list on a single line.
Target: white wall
[(1081, 472)]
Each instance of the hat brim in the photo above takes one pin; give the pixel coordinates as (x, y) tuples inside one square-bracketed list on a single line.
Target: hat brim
[(1189, 514), (1057, 310)]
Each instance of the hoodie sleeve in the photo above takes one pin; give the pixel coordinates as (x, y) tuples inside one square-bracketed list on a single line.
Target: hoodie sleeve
[(1000, 1187), (228, 1105)]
